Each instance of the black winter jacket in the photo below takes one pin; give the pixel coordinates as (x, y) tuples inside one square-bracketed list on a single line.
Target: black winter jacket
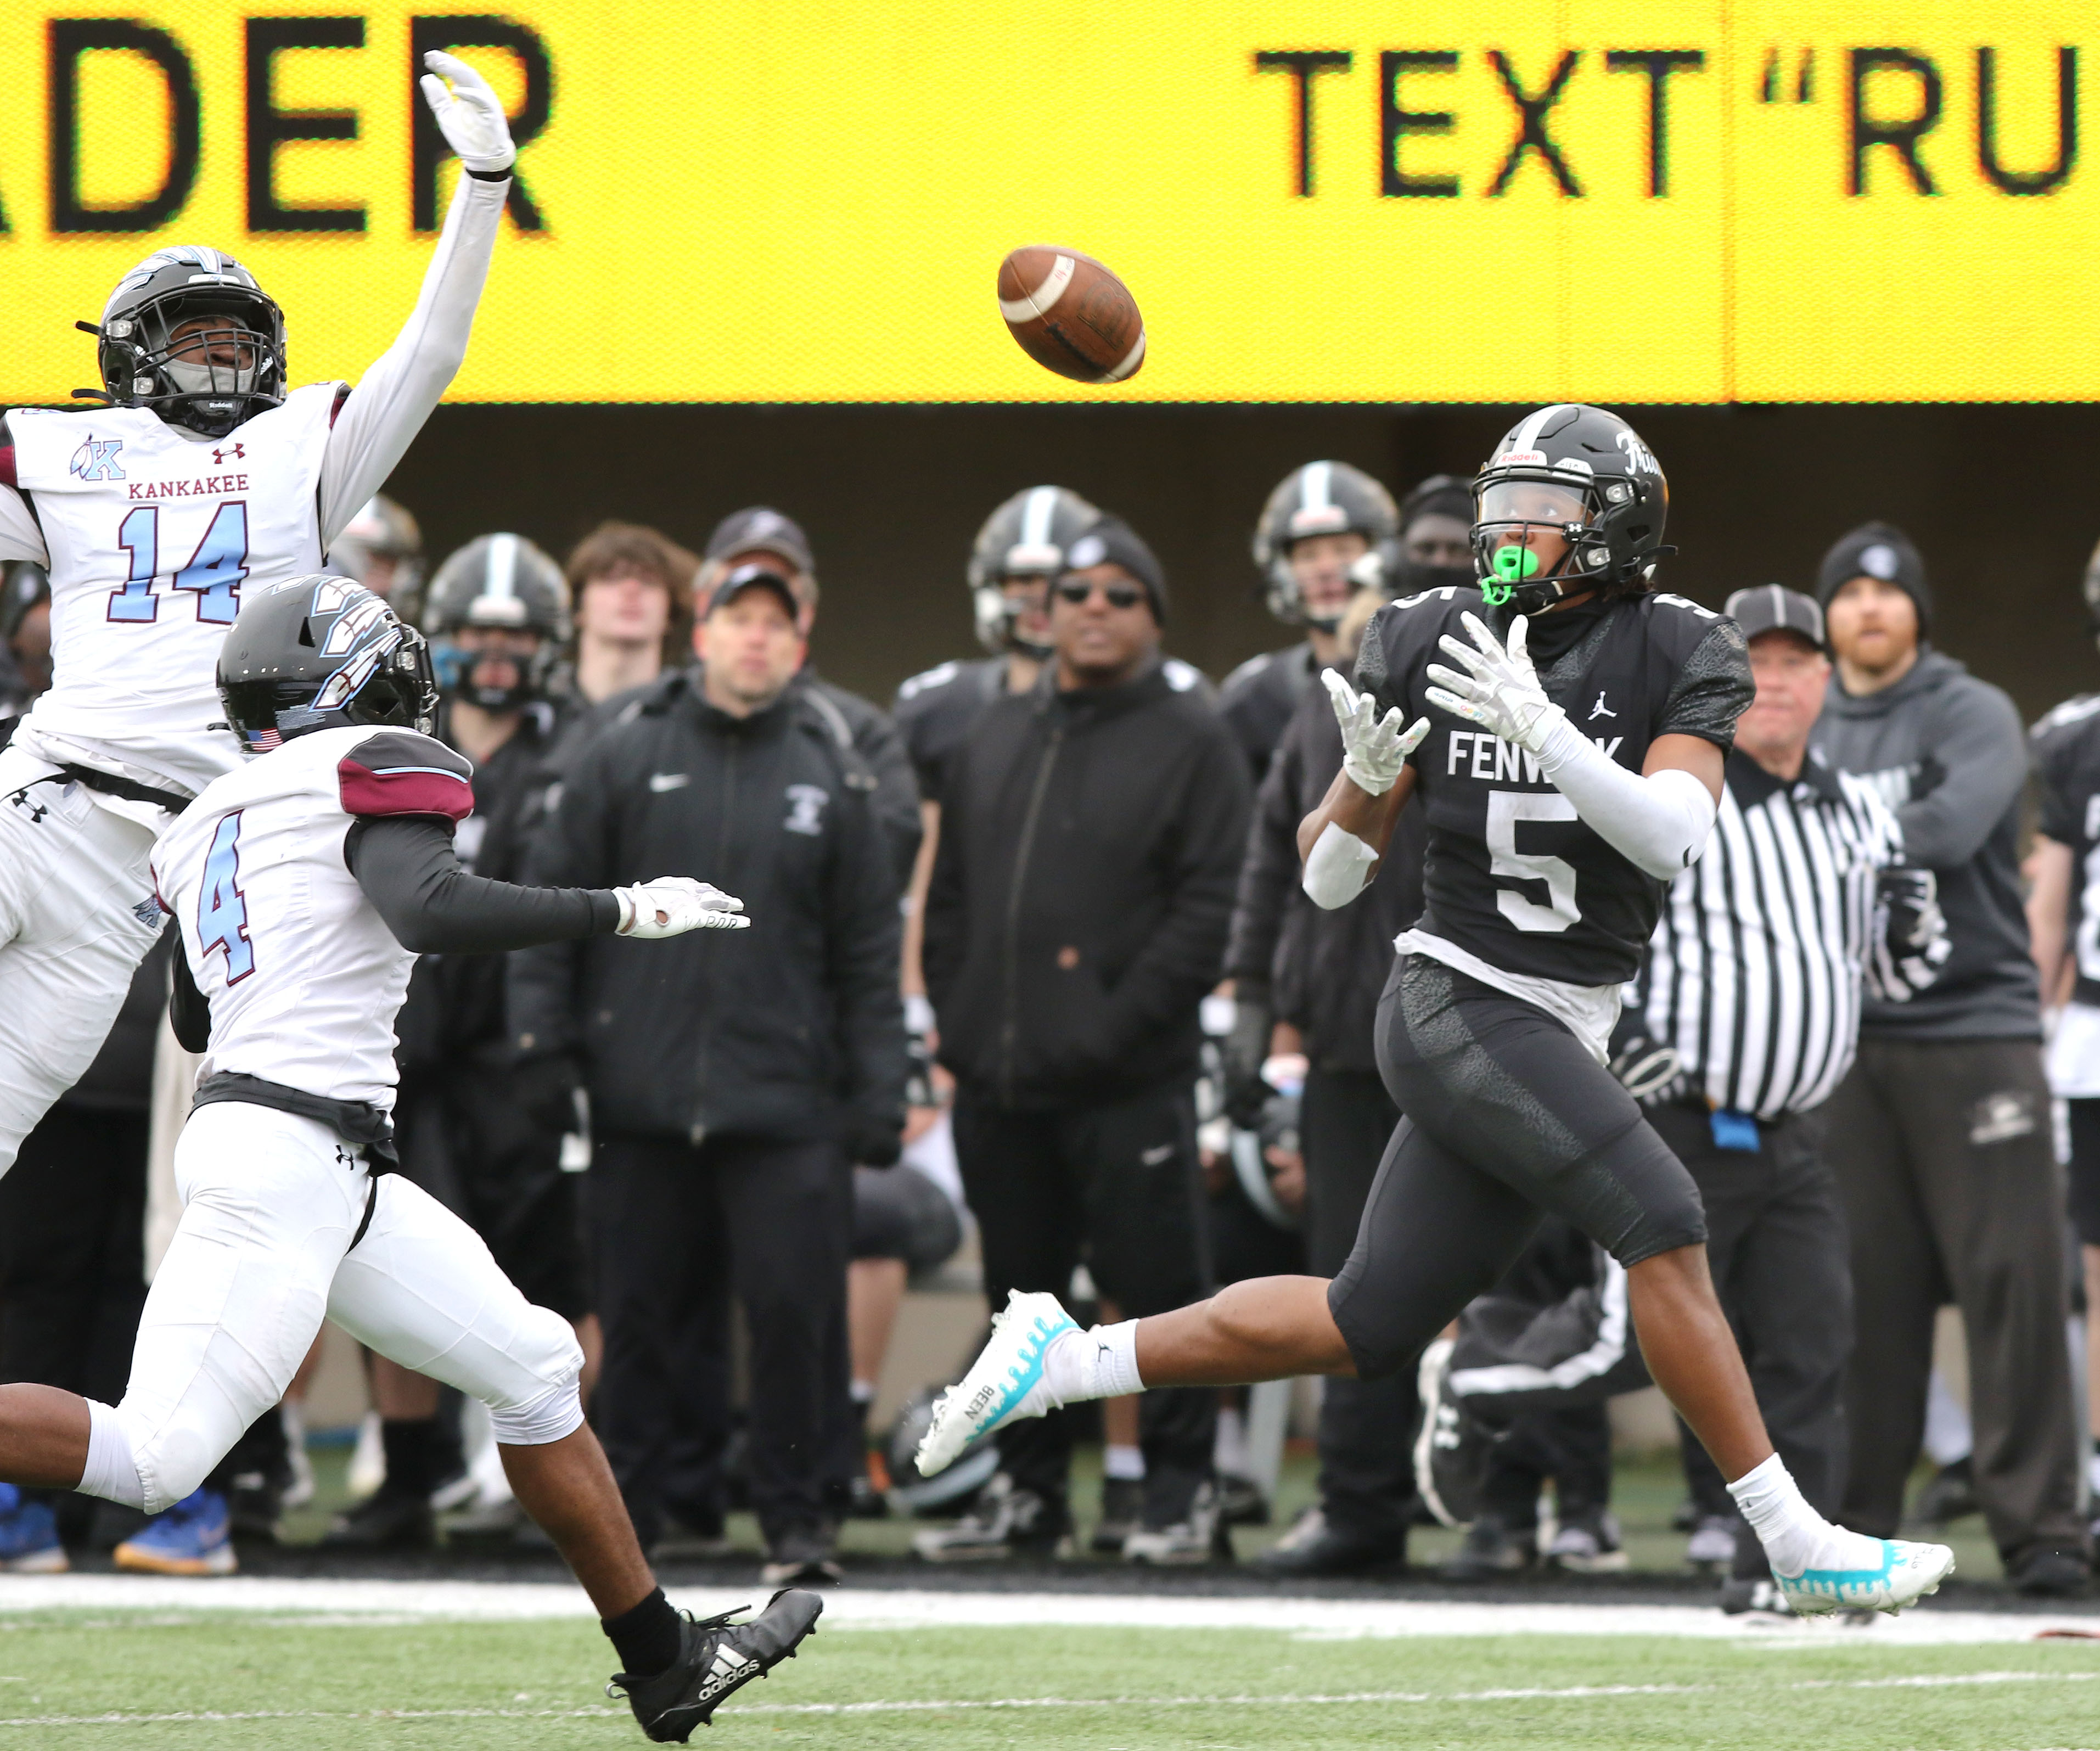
[(791, 1030), (1089, 844), (1322, 972)]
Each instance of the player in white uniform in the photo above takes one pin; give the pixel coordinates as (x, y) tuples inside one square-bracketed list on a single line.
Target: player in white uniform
[(201, 478), (304, 882)]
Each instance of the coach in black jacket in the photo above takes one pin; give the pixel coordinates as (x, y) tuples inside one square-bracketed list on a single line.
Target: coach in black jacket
[(1322, 973), (730, 1085), (1091, 836)]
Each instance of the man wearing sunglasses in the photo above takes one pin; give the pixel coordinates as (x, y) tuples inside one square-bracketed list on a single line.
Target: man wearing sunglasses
[(1091, 838)]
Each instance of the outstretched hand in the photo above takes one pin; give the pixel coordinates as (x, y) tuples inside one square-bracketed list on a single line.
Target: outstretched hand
[(1374, 748), (671, 904), (1501, 691), (470, 114)]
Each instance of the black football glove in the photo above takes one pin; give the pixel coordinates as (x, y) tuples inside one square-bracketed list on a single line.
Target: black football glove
[(1912, 945), (1647, 1072), (1244, 1051)]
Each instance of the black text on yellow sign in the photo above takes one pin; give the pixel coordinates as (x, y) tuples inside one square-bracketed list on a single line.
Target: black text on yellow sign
[(1641, 201)]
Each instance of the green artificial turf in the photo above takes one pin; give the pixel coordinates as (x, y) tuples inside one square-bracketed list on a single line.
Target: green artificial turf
[(150, 1680)]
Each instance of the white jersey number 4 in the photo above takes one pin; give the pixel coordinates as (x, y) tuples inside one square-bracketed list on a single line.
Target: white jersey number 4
[(221, 910)]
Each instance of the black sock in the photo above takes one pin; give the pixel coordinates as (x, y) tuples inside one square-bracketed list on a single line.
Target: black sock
[(412, 1455), (645, 1638)]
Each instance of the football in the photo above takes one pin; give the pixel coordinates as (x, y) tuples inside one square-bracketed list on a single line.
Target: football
[(1071, 314)]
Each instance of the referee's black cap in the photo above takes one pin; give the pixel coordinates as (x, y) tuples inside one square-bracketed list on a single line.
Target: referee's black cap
[(1773, 608)]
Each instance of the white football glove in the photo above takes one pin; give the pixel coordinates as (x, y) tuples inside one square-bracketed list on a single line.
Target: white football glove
[(470, 114), (1502, 692), (1374, 748), (671, 904)]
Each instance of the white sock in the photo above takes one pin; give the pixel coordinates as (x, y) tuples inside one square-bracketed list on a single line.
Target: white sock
[(1795, 1536), (1124, 1462), (110, 1471), (1102, 1363)]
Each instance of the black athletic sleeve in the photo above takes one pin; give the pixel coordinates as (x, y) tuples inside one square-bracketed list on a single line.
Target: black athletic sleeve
[(409, 870), (188, 1012)]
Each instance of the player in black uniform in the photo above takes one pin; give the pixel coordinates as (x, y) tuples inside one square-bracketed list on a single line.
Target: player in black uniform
[(1572, 764), (2063, 919)]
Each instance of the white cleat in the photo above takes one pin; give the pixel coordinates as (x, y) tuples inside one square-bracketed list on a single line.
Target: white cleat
[(1004, 1384), (1908, 1573)]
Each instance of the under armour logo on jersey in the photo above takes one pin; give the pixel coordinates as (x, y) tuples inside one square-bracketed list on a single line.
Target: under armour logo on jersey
[(219, 457), (806, 808), (1601, 710), (95, 459)]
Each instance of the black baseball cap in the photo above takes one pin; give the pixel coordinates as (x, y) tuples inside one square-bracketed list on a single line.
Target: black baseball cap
[(1773, 608), (754, 574), (760, 529)]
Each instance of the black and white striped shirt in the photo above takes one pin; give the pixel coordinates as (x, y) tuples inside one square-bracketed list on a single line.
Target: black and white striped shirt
[(1753, 974)]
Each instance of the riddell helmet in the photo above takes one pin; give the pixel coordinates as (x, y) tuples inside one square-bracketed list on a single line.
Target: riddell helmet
[(165, 290), (1322, 498), (382, 547), (496, 580), (321, 653), (1605, 494), (1026, 537)]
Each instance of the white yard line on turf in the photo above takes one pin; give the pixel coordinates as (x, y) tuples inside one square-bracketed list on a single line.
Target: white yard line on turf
[(1300, 1699), (875, 1609)]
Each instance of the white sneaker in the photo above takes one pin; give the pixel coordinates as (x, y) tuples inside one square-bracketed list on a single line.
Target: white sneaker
[(1908, 1573), (1004, 1384), (1712, 1545)]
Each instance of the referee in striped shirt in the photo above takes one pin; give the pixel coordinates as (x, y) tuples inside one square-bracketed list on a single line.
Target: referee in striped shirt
[(1753, 981)]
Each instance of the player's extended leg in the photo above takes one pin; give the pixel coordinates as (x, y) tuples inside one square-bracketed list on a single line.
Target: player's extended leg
[(76, 916), (422, 1289)]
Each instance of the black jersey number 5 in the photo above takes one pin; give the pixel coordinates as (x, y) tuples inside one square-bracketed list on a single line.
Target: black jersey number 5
[(1505, 809)]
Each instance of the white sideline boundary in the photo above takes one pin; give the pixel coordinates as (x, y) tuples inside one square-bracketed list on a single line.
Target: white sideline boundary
[(875, 1609)]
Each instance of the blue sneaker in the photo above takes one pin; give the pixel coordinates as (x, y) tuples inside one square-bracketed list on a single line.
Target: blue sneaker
[(1907, 1573), (28, 1536), (1004, 1384), (193, 1537)]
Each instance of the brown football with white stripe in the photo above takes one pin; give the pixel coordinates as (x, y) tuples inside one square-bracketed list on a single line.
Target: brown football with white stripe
[(1071, 314)]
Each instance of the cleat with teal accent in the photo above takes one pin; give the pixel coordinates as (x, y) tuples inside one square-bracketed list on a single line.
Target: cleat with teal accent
[(1004, 1384), (1908, 1573)]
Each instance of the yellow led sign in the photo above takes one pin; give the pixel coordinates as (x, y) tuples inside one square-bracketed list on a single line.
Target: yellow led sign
[(1621, 200)]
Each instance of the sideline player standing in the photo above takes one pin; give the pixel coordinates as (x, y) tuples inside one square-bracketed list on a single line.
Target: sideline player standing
[(303, 883), (1551, 828), (202, 476)]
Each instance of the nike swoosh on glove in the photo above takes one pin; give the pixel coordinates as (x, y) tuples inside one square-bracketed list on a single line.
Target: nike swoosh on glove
[(671, 904), (1374, 748), (1502, 693), (470, 114)]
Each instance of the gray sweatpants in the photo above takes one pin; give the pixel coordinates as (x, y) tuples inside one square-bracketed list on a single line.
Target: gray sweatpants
[(1941, 1150)]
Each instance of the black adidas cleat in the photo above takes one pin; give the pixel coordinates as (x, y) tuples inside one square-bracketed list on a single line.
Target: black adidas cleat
[(716, 1659)]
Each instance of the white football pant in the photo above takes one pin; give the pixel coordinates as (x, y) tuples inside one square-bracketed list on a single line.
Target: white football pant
[(262, 1253), (76, 916)]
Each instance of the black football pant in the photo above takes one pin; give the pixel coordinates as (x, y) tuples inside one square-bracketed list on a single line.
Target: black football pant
[(1509, 1118), (672, 1227), (1571, 1444), (1366, 1426), (1943, 1151), (1782, 1266), (1117, 1186), (72, 1217)]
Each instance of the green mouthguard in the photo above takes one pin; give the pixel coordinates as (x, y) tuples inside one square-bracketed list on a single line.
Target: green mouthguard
[(1513, 564)]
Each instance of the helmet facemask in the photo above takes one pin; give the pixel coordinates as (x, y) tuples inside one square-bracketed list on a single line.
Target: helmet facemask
[(211, 380), (1532, 542)]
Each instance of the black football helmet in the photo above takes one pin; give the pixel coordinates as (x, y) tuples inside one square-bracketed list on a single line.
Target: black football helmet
[(496, 580), (321, 653), (1586, 474), (139, 369), (1323, 498), (382, 547), (1026, 537)]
